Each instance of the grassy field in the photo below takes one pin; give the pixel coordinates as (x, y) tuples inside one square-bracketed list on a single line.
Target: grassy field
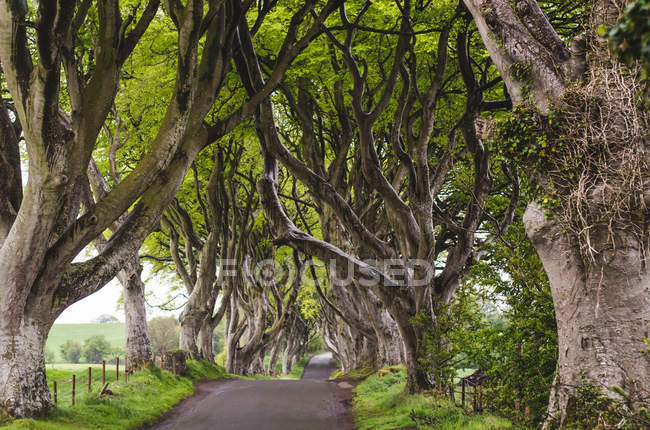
[(115, 333), (130, 406), (380, 404)]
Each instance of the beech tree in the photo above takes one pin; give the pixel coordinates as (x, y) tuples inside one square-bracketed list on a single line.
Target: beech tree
[(584, 138), (416, 226), (43, 230), (259, 307)]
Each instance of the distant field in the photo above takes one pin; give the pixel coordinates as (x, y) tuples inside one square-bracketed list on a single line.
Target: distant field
[(115, 334)]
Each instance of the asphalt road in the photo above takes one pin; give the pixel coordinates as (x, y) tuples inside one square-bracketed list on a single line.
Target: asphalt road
[(311, 403)]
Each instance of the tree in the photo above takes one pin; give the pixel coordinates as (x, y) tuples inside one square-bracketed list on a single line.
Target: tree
[(585, 142), (519, 351), (420, 219), (44, 227), (49, 356), (71, 351), (96, 348), (106, 319), (163, 332)]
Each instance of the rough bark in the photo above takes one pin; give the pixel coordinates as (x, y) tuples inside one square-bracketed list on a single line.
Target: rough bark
[(138, 347), (602, 311), (274, 354), (601, 302), (23, 388)]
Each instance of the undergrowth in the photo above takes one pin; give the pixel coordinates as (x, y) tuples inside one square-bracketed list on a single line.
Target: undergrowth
[(380, 403)]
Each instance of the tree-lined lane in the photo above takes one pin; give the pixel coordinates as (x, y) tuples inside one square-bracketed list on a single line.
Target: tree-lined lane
[(310, 403)]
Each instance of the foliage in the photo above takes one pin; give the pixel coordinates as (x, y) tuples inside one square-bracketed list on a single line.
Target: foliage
[(449, 340), (380, 404), (49, 355), (519, 350), (360, 373), (163, 334), (131, 406), (115, 333), (592, 410), (71, 351), (106, 319), (629, 39), (96, 348)]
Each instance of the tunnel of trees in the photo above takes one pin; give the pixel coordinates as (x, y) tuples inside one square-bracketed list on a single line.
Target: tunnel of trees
[(439, 184)]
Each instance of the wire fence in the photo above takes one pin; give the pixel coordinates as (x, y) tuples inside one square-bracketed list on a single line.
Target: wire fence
[(90, 379), (94, 378)]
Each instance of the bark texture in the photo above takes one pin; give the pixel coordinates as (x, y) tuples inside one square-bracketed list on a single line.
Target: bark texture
[(603, 314), (601, 296)]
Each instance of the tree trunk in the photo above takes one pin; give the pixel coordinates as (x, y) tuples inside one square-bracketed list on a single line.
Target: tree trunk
[(22, 368), (206, 337), (390, 350), (416, 378), (189, 332), (138, 347), (602, 310), (286, 359), (274, 354)]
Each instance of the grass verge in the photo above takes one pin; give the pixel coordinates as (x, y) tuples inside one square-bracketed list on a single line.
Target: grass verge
[(380, 404), (147, 395)]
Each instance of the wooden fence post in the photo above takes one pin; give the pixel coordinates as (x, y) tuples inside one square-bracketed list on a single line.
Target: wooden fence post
[(55, 393), (103, 372), (90, 377), (462, 384), (474, 400), (74, 384), (117, 369)]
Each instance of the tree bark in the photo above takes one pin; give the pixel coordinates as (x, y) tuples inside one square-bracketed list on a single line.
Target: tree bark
[(138, 347), (23, 386), (602, 304), (274, 354), (189, 331), (206, 338), (602, 311)]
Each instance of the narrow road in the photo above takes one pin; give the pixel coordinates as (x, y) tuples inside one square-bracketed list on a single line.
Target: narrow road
[(310, 403)]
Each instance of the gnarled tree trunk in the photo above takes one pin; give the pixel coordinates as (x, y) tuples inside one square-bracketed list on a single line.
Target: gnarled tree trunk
[(602, 310), (598, 271), (138, 347), (23, 386)]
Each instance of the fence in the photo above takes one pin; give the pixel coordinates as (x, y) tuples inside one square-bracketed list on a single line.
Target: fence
[(474, 381), (88, 381), (57, 388)]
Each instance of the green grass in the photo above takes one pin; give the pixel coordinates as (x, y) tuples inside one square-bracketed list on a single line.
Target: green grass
[(360, 373), (380, 403), (115, 333), (132, 405)]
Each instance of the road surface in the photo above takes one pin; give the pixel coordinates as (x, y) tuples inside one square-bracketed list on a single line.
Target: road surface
[(309, 403)]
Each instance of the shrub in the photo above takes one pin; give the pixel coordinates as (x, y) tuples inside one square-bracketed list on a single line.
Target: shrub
[(96, 348), (71, 351)]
